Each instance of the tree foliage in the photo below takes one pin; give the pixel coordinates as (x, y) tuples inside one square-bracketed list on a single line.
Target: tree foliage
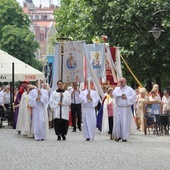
[(15, 36), (126, 23)]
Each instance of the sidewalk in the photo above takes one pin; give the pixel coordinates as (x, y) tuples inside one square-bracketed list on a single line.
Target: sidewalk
[(141, 152)]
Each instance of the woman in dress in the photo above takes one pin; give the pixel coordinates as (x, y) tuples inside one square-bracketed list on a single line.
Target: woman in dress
[(166, 102), (143, 98)]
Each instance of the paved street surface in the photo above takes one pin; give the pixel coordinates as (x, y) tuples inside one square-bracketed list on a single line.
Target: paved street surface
[(141, 152)]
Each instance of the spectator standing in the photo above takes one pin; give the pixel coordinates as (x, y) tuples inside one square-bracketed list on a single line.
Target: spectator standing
[(153, 96), (143, 98), (6, 98), (166, 102), (1, 94)]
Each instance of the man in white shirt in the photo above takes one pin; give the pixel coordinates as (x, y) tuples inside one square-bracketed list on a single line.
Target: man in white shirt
[(6, 97), (1, 94), (75, 107)]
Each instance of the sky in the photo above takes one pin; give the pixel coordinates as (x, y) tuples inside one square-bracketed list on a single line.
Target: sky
[(44, 3)]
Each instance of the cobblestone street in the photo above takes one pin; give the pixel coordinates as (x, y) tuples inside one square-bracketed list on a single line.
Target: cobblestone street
[(141, 152)]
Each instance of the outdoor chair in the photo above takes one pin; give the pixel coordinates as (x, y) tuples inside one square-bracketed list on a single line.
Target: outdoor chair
[(152, 121), (164, 124), (6, 115)]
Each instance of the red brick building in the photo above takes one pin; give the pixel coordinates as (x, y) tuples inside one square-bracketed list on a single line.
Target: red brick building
[(43, 26)]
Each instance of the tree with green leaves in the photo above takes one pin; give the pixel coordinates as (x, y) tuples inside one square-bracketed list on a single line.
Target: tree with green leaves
[(15, 36), (126, 23)]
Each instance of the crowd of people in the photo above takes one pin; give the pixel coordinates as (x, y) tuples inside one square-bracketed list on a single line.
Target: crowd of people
[(37, 108), (143, 96)]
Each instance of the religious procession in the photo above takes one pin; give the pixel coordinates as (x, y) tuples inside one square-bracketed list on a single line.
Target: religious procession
[(82, 96)]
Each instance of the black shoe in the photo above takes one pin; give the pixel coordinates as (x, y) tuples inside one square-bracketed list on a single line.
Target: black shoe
[(124, 140), (88, 139), (80, 129), (63, 136), (73, 130), (117, 140), (59, 138)]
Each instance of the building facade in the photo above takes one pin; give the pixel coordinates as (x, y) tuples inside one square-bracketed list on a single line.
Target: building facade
[(43, 26)]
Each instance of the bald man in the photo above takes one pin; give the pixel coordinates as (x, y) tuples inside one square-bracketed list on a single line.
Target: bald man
[(125, 97)]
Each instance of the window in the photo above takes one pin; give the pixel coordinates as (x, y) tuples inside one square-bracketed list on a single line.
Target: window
[(41, 36)]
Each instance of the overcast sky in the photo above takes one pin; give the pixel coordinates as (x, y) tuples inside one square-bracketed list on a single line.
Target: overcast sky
[(43, 2)]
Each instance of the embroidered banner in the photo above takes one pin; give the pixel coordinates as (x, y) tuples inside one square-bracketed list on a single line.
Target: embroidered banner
[(97, 59), (73, 69)]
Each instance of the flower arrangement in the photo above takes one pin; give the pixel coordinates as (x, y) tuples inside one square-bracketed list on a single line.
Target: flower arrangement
[(102, 39), (96, 39)]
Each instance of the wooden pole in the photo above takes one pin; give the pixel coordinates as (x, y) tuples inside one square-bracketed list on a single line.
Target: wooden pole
[(62, 39), (13, 80)]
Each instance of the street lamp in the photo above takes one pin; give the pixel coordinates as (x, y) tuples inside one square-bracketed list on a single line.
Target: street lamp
[(156, 31)]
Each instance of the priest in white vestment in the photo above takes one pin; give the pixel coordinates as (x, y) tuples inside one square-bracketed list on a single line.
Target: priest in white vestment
[(89, 99), (60, 101), (37, 99), (24, 123), (125, 97)]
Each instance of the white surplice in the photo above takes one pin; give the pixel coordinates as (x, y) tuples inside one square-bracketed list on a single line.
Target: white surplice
[(123, 112), (24, 122), (88, 113), (66, 101), (39, 111)]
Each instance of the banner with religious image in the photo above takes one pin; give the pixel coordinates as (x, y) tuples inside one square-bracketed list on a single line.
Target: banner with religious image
[(73, 62), (96, 52)]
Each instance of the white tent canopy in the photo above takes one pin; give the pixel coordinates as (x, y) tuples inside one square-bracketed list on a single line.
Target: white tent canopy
[(22, 71)]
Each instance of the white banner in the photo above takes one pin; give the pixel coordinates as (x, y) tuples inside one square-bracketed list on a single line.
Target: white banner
[(73, 62), (97, 59), (92, 73), (118, 64), (56, 66)]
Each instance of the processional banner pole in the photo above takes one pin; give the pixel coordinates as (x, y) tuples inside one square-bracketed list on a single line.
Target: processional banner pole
[(62, 39)]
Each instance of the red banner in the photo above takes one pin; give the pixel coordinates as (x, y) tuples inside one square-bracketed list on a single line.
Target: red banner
[(108, 70)]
